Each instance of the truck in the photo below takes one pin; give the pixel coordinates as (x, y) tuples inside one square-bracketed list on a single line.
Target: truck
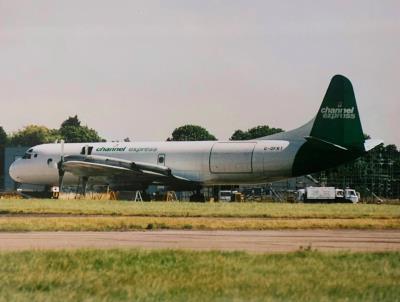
[(327, 194), (228, 195), (225, 195)]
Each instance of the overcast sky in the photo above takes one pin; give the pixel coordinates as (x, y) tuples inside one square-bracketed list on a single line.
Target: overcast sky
[(139, 69)]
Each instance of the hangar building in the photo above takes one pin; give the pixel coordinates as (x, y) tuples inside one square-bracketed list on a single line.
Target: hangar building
[(7, 156)]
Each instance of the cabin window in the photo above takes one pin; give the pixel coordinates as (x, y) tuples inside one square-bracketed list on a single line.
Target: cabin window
[(161, 159), (35, 156), (49, 161)]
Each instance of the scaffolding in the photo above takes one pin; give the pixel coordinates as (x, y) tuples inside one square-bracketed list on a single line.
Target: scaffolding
[(377, 173)]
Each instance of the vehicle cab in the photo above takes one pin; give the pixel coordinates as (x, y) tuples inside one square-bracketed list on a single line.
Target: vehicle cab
[(352, 195)]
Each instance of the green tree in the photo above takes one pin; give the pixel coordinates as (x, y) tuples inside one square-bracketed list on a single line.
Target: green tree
[(191, 133), (255, 132), (239, 135), (33, 135), (72, 132), (81, 134), (3, 137), (72, 121), (391, 149)]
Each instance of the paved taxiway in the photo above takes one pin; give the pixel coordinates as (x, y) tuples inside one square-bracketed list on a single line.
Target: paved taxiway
[(251, 241)]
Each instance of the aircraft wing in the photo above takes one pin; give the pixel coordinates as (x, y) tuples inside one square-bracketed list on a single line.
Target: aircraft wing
[(94, 165)]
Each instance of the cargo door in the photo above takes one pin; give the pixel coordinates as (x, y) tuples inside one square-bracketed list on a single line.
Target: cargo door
[(232, 157)]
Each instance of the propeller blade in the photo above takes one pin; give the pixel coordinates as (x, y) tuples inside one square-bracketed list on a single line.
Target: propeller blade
[(62, 150), (61, 168), (60, 179)]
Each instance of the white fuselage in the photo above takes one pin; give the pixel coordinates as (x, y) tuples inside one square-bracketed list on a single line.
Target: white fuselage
[(333, 137), (208, 162)]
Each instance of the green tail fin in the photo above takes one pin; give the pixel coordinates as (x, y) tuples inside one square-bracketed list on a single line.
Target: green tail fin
[(338, 121)]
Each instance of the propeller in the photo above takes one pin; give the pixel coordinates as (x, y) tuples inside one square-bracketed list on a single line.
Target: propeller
[(61, 170)]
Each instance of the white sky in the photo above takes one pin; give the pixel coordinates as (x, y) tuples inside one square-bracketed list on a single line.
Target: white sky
[(142, 68)]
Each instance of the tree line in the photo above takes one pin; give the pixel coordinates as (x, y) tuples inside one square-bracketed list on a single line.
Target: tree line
[(72, 131)]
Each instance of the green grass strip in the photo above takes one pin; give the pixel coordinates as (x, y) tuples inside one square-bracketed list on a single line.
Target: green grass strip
[(121, 223), (135, 275), (186, 209)]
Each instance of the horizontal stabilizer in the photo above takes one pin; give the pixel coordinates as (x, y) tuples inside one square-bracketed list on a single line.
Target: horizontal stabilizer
[(324, 143)]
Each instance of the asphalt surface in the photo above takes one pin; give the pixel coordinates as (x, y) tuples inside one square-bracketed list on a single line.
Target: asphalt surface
[(250, 241)]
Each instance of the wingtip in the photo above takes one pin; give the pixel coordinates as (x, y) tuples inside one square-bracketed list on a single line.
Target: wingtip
[(370, 144)]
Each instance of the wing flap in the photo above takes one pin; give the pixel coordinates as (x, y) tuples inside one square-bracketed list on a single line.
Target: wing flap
[(94, 165), (85, 168)]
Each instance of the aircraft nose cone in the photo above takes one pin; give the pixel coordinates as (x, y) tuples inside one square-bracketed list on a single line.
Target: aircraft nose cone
[(13, 171)]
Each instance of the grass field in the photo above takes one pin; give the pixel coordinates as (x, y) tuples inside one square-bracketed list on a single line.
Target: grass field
[(84, 215), (121, 223), (134, 275), (189, 209)]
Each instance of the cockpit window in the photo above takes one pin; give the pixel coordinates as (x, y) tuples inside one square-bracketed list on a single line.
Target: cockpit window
[(27, 156)]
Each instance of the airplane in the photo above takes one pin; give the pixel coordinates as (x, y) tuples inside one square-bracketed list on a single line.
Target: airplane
[(333, 137)]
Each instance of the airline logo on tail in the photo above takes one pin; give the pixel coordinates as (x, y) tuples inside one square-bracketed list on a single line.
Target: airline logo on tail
[(338, 113)]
